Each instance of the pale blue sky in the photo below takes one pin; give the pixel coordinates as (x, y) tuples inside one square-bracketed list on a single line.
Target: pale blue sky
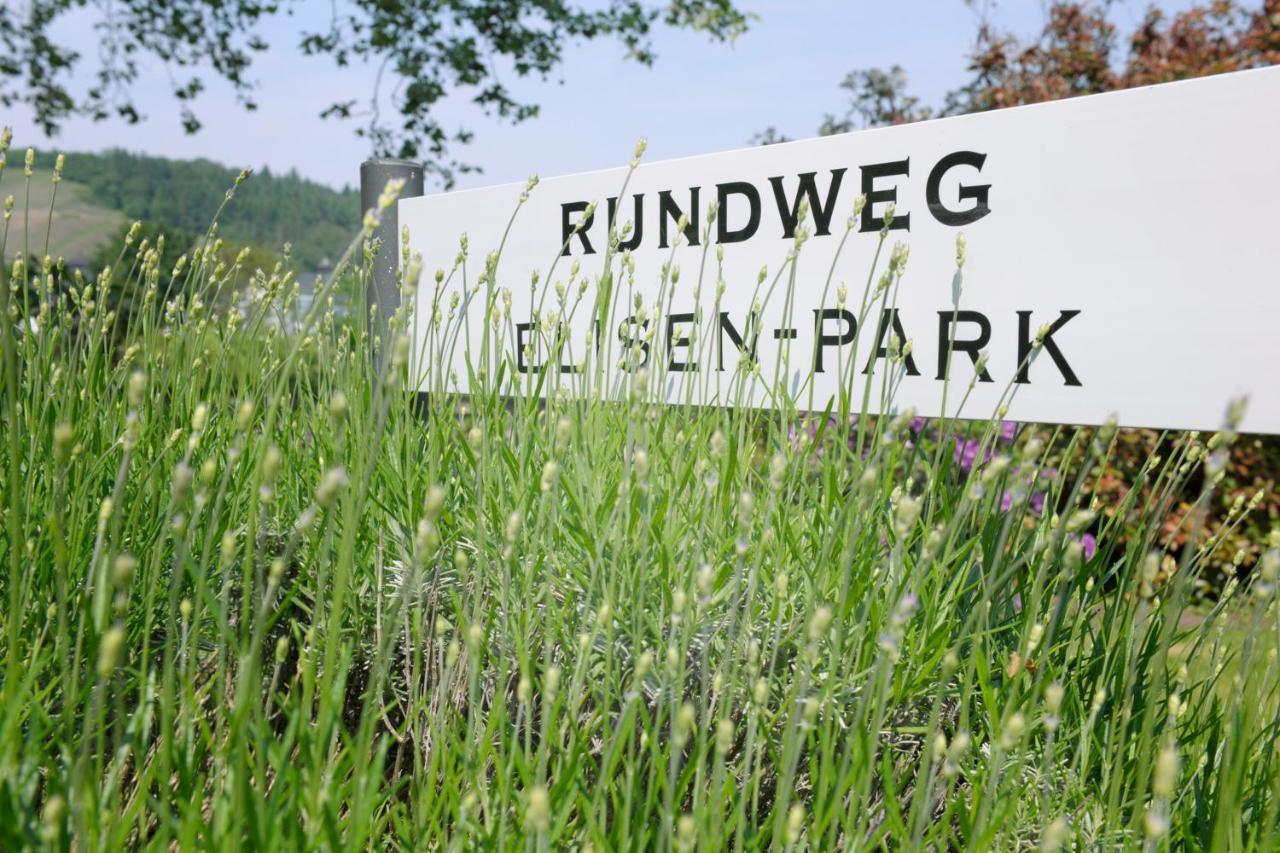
[(698, 98)]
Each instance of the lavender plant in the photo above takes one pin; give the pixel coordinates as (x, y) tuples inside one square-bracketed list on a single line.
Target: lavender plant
[(260, 593)]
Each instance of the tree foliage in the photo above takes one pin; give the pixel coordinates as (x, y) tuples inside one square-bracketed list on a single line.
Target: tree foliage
[(423, 51), (268, 210), (876, 97), (1077, 52)]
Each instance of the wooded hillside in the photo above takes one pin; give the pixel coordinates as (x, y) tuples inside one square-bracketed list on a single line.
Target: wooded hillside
[(269, 210)]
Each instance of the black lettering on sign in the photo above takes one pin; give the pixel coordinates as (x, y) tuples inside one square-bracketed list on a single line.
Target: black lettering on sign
[(979, 193), (569, 224), (526, 337), (559, 345), (724, 192), (522, 333), (971, 346), (1026, 339), (871, 222), (632, 340), (683, 340), (889, 320), (633, 242), (727, 328), (878, 184), (669, 211), (825, 339), (789, 211)]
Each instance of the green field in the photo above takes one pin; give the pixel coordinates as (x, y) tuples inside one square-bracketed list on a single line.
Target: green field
[(79, 229), (257, 594)]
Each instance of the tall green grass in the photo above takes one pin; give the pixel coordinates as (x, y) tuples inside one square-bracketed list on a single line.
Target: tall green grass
[(260, 594)]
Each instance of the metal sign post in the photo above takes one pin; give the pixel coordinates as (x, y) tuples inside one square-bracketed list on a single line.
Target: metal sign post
[(383, 290)]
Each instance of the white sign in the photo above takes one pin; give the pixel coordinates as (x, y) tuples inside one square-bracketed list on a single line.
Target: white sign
[(1138, 233)]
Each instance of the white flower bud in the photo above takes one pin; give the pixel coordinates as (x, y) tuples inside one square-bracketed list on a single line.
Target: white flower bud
[(137, 388), (795, 823), (819, 624), (724, 736), (244, 415), (1166, 772), (109, 650), (333, 482), (537, 810)]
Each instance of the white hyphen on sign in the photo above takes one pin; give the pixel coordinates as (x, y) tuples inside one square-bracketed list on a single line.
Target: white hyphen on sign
[(1135, 234)]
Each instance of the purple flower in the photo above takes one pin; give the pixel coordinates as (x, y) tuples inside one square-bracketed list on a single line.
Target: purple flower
[(914, 429), (1090, 545), (1008, 429), (808, 427), (1035, 504), (967, 452)]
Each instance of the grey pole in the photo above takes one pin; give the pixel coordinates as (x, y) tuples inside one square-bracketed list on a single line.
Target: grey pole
[(382, 289)]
